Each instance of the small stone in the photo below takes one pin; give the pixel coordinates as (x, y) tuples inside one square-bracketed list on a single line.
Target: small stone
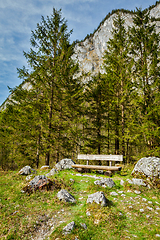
[(130, 207), (123, 195), (144, 199), (83, 225), (28, 178), (120, 192), (88, 213), (157, 208), (149, 208), (114, 194), (129, 181), (80, 198), (157, 235), (122, 182), (150, 202), (72, 180), (69, 227), (137, 192), (147, 216), (79, 175), (120, 214), (141, 210)]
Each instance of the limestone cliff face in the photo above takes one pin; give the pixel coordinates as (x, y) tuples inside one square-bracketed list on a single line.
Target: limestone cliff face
[(89, 53)]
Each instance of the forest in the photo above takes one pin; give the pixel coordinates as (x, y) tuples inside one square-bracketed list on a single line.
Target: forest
[(60, 115)]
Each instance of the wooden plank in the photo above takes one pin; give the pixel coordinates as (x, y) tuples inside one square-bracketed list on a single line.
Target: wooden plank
[(100, 157), (109, 168)]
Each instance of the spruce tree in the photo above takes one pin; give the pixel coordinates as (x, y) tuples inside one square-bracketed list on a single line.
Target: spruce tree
[(52, 75), (95, 113), (146, 73), (118, 65)]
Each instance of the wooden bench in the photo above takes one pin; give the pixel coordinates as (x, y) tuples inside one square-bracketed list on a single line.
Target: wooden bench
[(89, 157)]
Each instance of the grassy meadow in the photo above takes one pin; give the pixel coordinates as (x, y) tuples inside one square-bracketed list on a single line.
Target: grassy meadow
[(42, 215)]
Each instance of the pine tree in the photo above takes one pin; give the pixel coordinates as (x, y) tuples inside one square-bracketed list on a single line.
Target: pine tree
[(95, 94), (52, 75), (118, 65), (145, 52)]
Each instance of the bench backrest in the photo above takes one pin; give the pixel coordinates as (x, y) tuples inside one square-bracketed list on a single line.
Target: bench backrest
[(100, 157)]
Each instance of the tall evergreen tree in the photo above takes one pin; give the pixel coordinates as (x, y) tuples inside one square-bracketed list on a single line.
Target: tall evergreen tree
[(146, 73), (52, 75), (95, 94), (118, 67)]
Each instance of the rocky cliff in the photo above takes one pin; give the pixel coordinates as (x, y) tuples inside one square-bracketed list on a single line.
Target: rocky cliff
[(89, 53)]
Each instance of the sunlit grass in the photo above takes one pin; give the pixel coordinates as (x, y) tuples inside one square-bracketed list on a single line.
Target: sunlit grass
[(22, 215)]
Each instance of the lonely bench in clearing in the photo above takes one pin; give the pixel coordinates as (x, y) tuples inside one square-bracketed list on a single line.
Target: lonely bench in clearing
[(89, 157)]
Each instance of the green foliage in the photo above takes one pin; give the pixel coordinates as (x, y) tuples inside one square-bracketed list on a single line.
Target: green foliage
[(54, 114)]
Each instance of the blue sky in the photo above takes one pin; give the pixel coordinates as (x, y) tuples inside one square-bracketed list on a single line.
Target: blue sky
[(19, 17)]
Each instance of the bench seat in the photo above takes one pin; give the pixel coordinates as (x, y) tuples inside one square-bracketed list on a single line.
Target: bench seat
[(97, 167)]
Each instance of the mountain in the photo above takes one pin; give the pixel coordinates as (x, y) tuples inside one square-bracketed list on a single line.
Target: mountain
[(89, 52)]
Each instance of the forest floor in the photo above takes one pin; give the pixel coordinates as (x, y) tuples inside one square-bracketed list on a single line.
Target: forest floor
[(133, 212)]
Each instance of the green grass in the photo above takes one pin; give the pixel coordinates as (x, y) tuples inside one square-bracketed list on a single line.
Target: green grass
[(23, 215)]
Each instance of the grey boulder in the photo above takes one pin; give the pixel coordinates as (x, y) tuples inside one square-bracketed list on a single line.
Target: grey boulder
[(52, 172), (98, 198), (105, 182), (27, 170), (38, 181), (147, 167), (65, 196), (64, 164)]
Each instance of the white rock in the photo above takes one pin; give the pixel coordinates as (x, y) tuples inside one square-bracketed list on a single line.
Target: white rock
[(141, 210), (114, 194), (144, 199), (149, 167), (88, 213), (150, 208), (137, 192), (122, 182), (157, 235)]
